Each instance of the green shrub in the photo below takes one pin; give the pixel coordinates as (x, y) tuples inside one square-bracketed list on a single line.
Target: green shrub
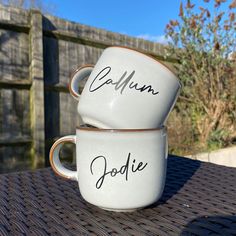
[(204, 42)]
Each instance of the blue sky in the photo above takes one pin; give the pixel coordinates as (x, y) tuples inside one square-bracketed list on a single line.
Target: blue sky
[(146, 19), (139, 18)]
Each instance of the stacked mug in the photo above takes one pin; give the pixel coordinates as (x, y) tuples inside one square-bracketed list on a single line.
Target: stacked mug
[(121, 155)]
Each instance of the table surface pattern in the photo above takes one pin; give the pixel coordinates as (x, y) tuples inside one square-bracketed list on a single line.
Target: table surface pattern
[(199, 199)]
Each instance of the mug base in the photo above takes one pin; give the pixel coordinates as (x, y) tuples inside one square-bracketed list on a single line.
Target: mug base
[(94, 123), (121, 210)]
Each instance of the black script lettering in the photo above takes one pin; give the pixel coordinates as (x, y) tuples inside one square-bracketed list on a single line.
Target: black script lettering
[(123, 170), (101, 179), (143, 88), (139, 167), (102, 74), (124, 82)]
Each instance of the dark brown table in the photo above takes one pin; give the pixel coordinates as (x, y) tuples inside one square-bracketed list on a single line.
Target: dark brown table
[(199, 199)]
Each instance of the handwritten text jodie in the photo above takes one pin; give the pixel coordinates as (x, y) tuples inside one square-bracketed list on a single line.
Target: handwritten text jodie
[(123, 170)]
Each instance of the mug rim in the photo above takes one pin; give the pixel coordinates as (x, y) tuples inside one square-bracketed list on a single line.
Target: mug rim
[(96, 129), (149, 56)]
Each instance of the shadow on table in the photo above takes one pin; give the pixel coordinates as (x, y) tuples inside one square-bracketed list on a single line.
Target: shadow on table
[(179, 171), (211, 225)]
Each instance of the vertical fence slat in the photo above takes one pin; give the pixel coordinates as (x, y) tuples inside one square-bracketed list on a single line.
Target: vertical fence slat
[(37, 88)]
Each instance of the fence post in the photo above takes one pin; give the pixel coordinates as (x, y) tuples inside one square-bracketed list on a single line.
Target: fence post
[(37, 89)]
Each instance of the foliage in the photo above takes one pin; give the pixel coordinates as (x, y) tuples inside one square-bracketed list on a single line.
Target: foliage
[(204, 42)]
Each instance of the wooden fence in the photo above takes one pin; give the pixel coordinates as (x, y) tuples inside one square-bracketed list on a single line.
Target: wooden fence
[(38, 53)]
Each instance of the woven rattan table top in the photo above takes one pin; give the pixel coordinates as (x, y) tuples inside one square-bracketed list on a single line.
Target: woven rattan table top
[(199, 199)]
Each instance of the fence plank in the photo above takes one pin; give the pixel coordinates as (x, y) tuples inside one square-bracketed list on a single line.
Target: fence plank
[(37, 89), (72, 56), (14, 113), (15, 141), (14, 55), (16, 158), (14, 16)]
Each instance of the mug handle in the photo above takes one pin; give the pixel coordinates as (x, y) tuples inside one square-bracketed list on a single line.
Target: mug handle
[(54, 159), (80, 74)]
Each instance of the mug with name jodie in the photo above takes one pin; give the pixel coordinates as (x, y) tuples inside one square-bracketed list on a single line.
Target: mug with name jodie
[(117, 170), (126, 89)]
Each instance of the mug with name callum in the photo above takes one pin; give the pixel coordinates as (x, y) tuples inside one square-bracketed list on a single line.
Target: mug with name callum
[(126, 89)]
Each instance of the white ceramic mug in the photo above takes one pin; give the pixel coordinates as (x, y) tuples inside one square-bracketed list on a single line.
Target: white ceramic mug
[(126, 89), (117, 170)]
